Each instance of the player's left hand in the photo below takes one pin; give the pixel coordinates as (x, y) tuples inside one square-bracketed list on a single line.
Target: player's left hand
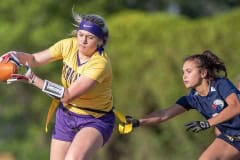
[(10, 56), (28, 76), (197, 126)]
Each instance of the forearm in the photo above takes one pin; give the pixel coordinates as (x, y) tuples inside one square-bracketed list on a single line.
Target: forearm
[(154, 118), (233, 109), (35, 59), (38, 82), (65, 95), (162, 115), (52, 89), (228, 113)]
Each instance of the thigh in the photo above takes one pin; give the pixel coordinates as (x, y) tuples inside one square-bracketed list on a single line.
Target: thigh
[(85, 144), (58, 149), (220, 150)]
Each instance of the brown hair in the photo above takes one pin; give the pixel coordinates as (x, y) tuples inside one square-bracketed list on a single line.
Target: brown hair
[(209, 61), (96, 19)]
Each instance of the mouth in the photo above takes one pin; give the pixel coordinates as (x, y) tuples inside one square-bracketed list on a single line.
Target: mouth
[(185, 82), (82, 46)]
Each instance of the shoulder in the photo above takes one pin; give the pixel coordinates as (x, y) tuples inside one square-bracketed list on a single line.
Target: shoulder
[(225, 87), (99, 63), (184, 102), (68, 41), (63, 47), (100, 58), (222, 82)]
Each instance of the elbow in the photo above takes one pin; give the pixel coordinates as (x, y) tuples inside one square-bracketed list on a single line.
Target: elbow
[(67, 98), (237, 107), (238, 110)]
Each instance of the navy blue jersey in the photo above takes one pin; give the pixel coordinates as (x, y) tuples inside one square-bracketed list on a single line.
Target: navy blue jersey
[(212, 104)]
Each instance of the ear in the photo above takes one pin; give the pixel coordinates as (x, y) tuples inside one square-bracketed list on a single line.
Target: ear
[(100, 43), (203, 73)]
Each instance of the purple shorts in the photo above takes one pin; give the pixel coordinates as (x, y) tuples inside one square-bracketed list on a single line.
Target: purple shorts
[(67, 124)]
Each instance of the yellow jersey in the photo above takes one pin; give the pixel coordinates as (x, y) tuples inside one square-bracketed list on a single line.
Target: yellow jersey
[(97, 68)]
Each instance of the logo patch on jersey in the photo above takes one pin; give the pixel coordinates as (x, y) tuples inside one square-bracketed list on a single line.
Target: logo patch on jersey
[(213, 89), (218, 105)]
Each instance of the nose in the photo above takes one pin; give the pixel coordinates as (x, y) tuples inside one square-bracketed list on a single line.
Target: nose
[(83, 39), (184, 76)]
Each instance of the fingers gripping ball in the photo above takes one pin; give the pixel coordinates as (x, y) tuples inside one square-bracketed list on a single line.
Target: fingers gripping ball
[(7, 69)]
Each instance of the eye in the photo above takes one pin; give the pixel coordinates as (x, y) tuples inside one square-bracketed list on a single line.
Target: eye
[(80, 35), (91, 37), (189, 70)]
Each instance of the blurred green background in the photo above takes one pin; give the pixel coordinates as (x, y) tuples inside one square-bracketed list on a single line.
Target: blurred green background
[(148, 40)]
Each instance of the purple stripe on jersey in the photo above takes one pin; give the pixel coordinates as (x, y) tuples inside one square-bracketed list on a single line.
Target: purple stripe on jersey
[(78, 60)]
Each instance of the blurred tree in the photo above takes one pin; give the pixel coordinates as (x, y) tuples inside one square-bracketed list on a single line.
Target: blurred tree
[(146, 51), (201, 8), (192, 9)]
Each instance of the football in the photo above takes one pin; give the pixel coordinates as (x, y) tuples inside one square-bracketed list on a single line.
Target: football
[(6, 69)]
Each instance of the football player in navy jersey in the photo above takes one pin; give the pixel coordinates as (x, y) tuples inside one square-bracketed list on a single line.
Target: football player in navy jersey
[(212, 95)]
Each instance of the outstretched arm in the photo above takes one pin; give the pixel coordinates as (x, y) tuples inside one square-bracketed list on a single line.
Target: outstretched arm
[(79, 87), (150, 119), (35, 59), (65, 95), (162, 115)]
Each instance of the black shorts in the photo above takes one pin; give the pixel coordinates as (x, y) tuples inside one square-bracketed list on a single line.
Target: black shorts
[(234, 143)]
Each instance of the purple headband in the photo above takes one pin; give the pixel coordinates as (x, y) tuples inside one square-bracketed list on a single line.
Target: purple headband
[(92, 28)]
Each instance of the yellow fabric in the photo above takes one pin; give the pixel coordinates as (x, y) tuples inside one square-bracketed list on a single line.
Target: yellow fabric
[(51, 110), (82, 111), (120, 116), (97, 68), (123, 127)]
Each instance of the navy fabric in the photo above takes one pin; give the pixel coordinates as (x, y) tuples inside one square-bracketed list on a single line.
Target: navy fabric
[(212, 104)]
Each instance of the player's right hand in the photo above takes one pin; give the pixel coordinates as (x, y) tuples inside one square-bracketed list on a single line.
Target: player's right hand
[(127, 124), (133, 121)]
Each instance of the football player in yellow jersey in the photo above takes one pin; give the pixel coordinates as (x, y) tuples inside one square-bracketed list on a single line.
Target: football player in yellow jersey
[(84, 117)]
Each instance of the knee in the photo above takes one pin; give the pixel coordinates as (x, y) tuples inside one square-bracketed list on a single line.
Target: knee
[(205, 157), (75, 157)]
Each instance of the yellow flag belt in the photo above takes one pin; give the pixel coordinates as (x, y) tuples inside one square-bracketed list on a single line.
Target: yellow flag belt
[(123, 126)]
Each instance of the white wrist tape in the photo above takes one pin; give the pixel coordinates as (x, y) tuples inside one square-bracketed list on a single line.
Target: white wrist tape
[(53, 89)]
